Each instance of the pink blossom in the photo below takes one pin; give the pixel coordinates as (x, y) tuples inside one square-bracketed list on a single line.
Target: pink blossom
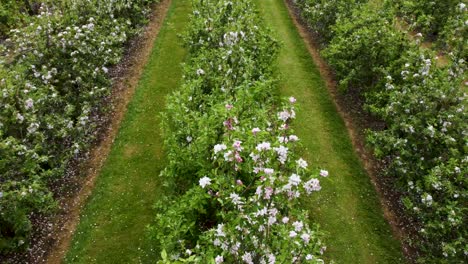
[(238, 157), (237, 145), (228, 124), (268, 193), (282, 153)]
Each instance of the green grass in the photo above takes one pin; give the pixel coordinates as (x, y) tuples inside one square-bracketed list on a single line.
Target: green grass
[(112, 226), (347, 208)]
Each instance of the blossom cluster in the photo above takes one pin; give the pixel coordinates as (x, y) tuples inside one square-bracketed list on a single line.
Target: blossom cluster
[(419, 94), (235, 188)]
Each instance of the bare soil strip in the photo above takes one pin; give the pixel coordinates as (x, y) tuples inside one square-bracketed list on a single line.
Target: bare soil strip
[(389, 199), (125, 83)]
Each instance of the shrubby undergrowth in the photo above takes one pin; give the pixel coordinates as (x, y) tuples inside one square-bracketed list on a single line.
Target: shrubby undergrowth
[(423, 104), (53, 78), (445, 22), (234, 177), (11, 14)]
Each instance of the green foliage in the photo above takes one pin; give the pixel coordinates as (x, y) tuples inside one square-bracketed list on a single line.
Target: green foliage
[(232, 199), (428, 16), (426, 139), (424, 109), (322, 15), (11, 15), (364, 45), (443, 21), (54, 77)]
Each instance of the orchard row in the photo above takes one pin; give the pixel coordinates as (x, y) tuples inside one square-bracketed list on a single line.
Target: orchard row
[(420, 98), (234, 176), (53, 82)]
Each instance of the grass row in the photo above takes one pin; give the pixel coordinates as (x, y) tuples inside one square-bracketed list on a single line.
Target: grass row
[(347, 207), (112, 227)]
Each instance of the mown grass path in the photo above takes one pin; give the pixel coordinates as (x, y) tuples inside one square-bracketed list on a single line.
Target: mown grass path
[(348, 207), (112, 225)]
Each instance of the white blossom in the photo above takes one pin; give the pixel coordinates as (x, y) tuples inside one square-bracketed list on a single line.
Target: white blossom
[(305, 237), (293, 138), (220, 230), (427, 199), (20, 117), (282, 153), (324, 173), (294, 180), (298, 225), (219, 147), (205, 181), (284, 115), (263, 146), (200, 72), (29, 103), (247, 258), (292, 234), (301, 163), (219, 259), (235, 198)]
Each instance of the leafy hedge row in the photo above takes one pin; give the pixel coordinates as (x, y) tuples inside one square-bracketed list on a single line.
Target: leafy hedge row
[(424, 107), (9, 12), (446, 21), (54, 75), (233, 167)]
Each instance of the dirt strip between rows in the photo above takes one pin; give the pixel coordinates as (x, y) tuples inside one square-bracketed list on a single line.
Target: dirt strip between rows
[(389, 200)]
